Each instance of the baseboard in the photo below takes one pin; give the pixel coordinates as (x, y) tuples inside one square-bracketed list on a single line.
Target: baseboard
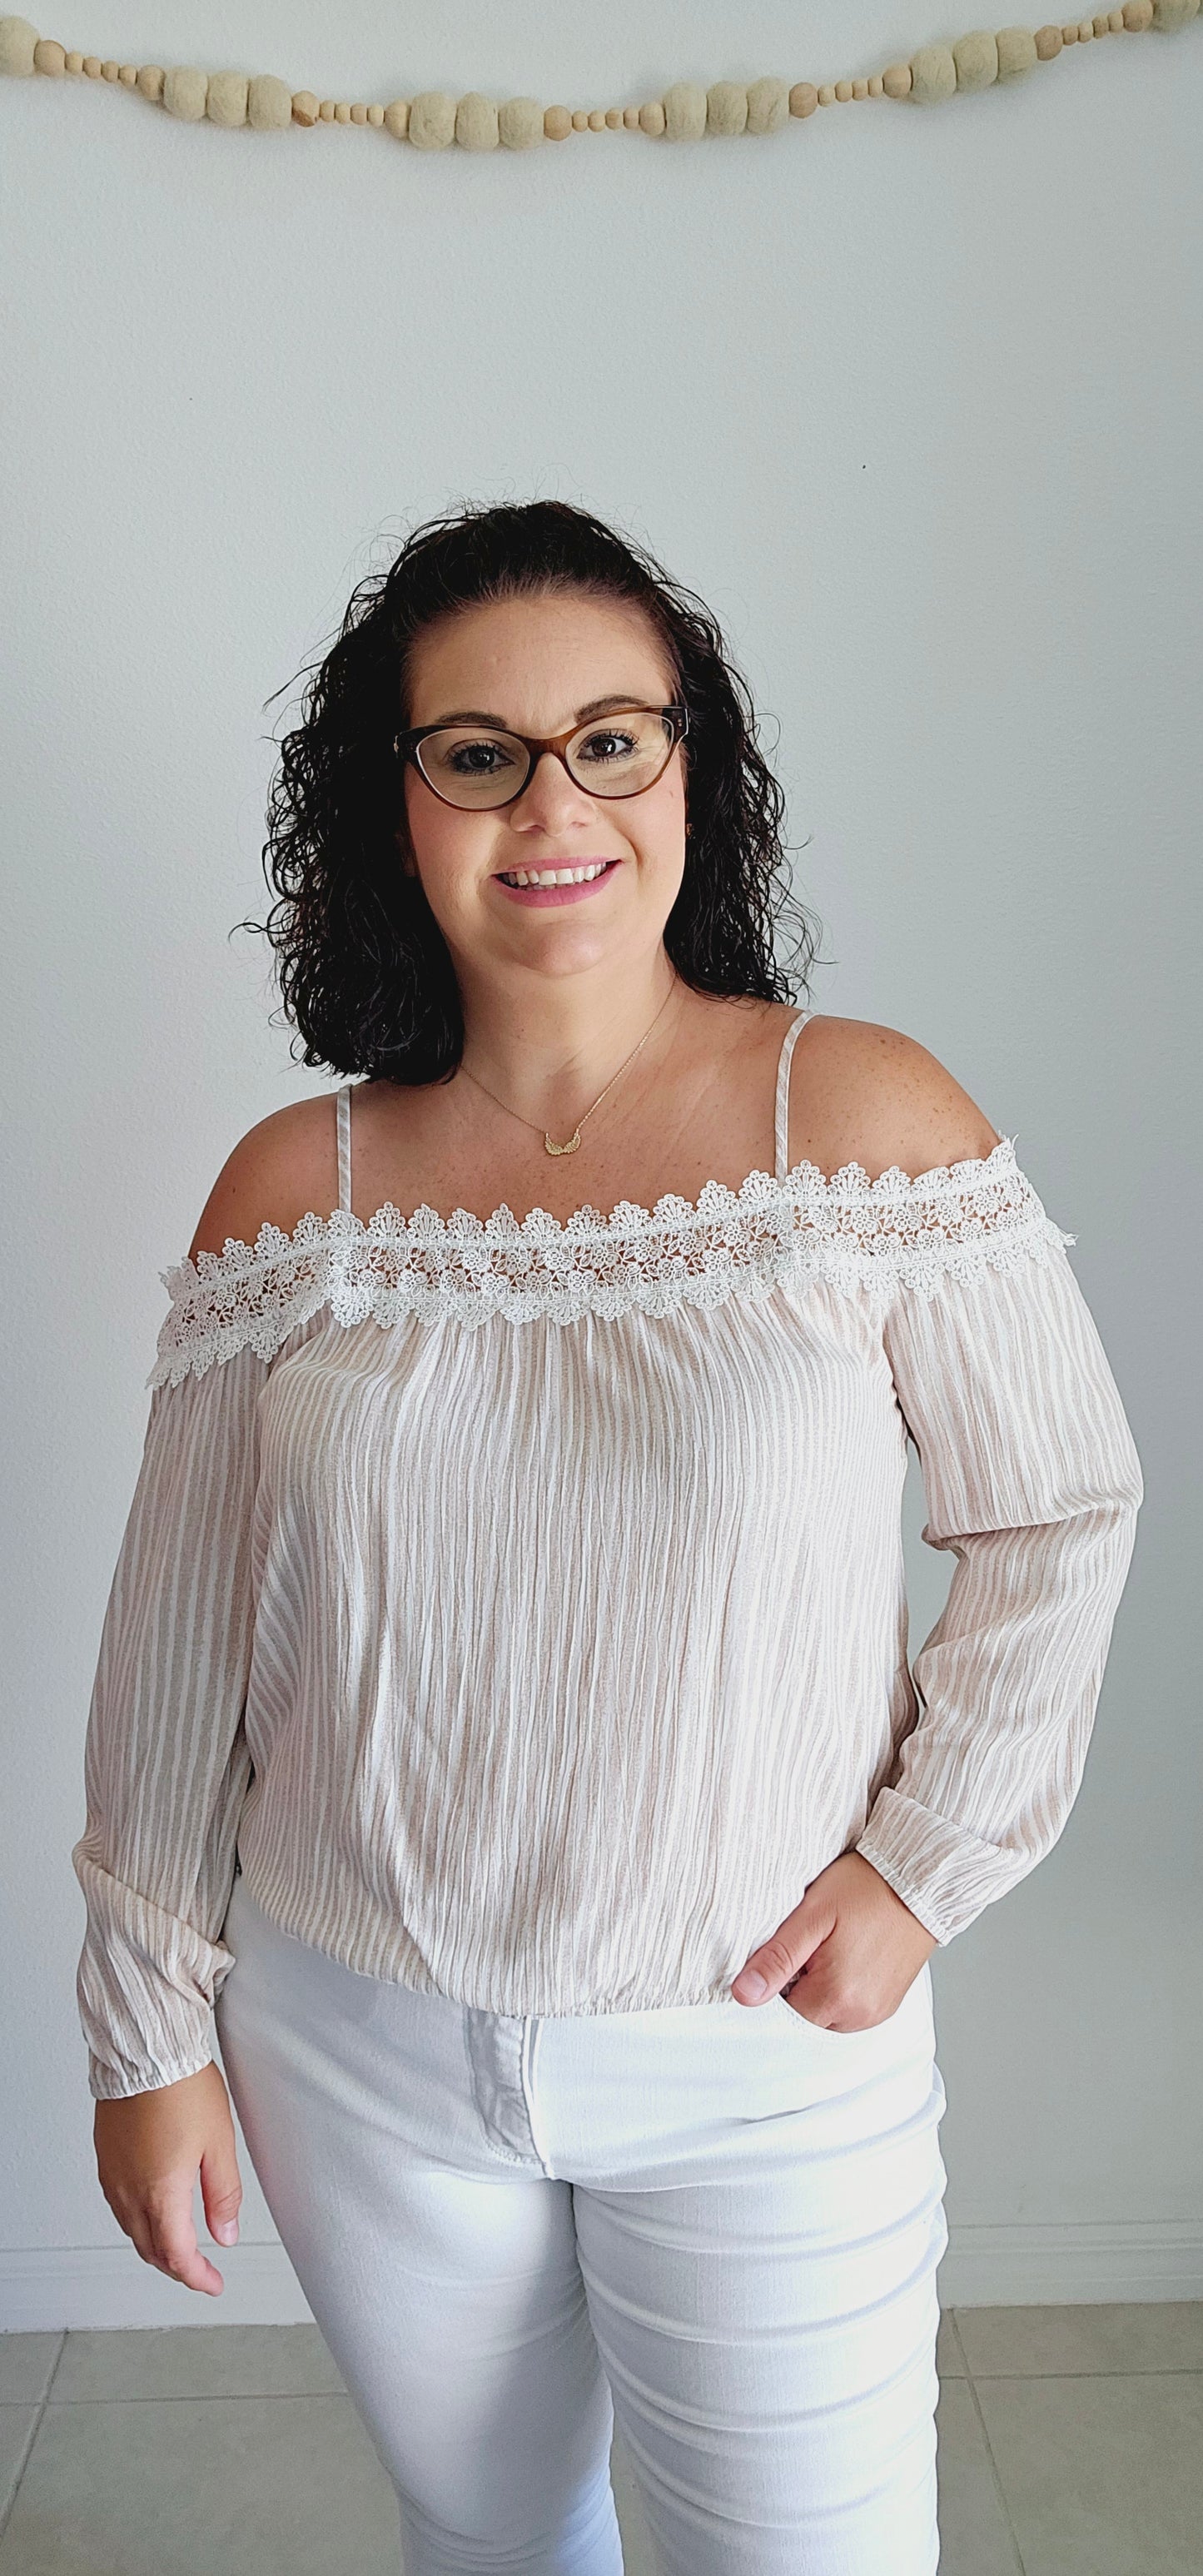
[(1077, 2265), (96, 2287)]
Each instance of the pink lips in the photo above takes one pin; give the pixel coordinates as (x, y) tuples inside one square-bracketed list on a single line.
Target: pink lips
[(537, 895)]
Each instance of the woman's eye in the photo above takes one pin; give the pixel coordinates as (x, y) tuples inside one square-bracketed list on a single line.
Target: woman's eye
[(470, 758), (623, 740)]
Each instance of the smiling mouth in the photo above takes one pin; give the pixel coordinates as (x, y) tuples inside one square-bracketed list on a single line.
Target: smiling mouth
[(583, 875)]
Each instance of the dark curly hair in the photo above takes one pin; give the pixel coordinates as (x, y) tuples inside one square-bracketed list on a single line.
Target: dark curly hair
[(364, 970)]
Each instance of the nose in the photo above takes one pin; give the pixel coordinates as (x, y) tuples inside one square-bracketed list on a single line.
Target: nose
[(550, 789)]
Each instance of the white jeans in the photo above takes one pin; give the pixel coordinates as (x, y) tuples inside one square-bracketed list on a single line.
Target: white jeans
[(717, 2223)]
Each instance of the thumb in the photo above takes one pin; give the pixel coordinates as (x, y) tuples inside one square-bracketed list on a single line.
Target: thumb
[(771, 1966), (221, 2190)]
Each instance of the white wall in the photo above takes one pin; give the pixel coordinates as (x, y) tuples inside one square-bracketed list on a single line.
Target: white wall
[(912, 398)]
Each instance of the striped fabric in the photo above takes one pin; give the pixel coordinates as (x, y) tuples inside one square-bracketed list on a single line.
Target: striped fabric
[(522, 1605)]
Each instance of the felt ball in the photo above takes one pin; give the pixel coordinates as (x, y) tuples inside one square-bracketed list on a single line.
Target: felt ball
[(1171, 14), (396, 117), (268, 102), (896, 81), (49, 57), (1049, 41), (976, 59), (520, 123), (18, 45), (150, 82), (432, 120), (726, 107), (184, 92), (933, 74), (652, 117), (768, 105), (803, 99), (226, 102), (1138, 14), (684, 112), (557, 123), (306, 107), (1016, 52), (476, 122)]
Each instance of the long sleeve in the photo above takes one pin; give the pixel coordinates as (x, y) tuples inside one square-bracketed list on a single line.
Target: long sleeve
[(1032, 1479), (166, 1764)]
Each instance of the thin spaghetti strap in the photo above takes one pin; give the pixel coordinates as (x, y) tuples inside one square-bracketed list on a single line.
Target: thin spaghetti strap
[(344, 1145), (781, 1124)]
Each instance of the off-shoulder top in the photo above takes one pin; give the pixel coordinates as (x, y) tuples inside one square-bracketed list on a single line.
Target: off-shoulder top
[(521, 1604)]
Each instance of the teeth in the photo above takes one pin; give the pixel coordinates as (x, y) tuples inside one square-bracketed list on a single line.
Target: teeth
[(553, 876)]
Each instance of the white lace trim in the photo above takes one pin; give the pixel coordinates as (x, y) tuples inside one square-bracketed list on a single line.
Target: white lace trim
[(895, 1231)]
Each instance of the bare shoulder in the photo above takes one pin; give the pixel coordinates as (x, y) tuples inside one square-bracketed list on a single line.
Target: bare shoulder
[(285, 1165), (864, 1093)]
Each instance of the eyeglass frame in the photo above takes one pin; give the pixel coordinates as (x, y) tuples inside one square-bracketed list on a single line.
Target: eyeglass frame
[(535, 745)]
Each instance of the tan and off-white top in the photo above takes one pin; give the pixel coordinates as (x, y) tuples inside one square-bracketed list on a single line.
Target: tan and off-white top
[(525, 1599)]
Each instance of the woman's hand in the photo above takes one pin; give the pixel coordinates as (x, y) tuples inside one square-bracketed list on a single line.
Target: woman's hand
[(149, 2150), (853, 1945)]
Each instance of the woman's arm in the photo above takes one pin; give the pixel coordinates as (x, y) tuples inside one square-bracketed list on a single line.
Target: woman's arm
[(1032, 1479), (166, 1765)]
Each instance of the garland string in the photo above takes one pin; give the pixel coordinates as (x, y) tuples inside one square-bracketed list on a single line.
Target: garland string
[(686, 112)]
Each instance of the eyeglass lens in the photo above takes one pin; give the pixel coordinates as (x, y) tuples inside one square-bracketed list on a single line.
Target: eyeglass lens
[(617, 756)]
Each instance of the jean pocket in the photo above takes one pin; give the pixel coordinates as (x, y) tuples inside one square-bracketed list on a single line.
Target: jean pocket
[(909, 2026), (819, 2028)]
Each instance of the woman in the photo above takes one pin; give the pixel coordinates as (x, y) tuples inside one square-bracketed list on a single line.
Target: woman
[(517, 1583)]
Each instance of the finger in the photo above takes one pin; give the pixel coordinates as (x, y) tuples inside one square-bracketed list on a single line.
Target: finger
[(171, 2233), (185, 2263), (812, 2008), (221, 2192), (770, 1967)]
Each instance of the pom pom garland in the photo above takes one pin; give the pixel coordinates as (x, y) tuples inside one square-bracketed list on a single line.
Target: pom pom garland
[(434, 120)]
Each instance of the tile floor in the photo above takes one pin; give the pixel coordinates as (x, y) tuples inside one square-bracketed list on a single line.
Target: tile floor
[(1070, 2444)]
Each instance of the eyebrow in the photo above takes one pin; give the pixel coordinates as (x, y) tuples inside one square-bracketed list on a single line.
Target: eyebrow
[(592, 707)]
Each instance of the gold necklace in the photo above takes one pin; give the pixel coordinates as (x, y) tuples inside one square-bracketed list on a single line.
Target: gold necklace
[(570, 1148)]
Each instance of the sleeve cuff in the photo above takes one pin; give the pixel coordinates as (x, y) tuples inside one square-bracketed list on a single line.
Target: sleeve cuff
[(108, 2083), (944, 1874), (145, 1985)]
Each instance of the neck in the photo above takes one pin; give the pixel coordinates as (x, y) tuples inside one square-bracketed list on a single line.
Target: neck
[(548, 1048)]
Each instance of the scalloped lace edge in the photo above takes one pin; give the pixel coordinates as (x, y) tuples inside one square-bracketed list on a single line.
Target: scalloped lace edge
[(895, 1231)]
